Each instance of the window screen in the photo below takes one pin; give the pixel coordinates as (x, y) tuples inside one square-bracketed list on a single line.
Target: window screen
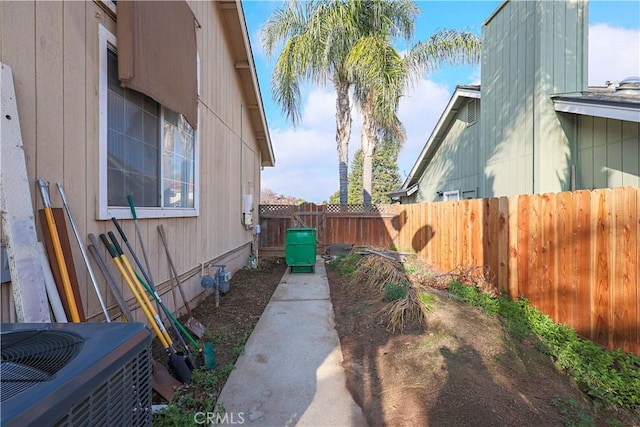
[(132, 143)]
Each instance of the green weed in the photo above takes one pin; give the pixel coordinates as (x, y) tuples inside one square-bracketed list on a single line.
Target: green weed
[(395, 291), (346, 264), (610, 377), (575, 413)]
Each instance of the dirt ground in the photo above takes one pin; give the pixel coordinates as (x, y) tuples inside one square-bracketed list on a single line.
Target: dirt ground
[(229, 325), (459, 370)]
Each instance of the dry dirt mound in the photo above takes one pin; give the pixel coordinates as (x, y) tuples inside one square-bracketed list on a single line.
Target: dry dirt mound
[(461, 369)]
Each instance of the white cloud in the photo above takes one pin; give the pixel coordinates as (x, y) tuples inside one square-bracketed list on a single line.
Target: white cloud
[(306, 157), (307, 160), (614, 53), (320, 108), (306, 164), (256, 44)]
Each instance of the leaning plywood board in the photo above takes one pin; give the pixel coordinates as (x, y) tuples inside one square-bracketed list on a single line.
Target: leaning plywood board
[(18, 221)]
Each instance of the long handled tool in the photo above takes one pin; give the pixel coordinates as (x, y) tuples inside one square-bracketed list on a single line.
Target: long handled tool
[(67, 208), (176, 361), (57, 247), (139, 233), (194, 326), (111, 282), (153, 292), (161, 379), (149, 286)]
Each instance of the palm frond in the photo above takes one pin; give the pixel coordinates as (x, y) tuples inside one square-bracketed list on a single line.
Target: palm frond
[(444, 47)]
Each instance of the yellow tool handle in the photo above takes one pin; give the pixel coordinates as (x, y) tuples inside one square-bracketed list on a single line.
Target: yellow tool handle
[(141, 302), (150, 307), (64, 273)]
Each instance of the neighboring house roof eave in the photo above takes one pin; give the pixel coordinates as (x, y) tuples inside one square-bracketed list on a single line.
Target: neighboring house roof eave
[(461, 92), (240, 45), (609, 107), (403, 192)]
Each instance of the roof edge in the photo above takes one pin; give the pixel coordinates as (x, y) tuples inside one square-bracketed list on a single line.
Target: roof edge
[(460, 92)]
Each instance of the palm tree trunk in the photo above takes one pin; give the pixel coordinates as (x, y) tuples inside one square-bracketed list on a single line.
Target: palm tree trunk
[(343, 133), (368, 141)]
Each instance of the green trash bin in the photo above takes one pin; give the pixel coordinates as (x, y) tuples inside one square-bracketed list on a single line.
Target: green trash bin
[(300, 249)]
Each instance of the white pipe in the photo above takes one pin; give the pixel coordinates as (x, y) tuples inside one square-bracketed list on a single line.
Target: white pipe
[(50, 285), (94, 281)]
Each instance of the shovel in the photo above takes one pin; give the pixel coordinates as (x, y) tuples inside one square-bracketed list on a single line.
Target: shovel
[(177, 361), (194, 326), (161, 380), (149, 286)]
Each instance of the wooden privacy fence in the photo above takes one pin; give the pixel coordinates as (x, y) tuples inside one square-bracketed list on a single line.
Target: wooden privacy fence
[(357, 224), (574, 255)]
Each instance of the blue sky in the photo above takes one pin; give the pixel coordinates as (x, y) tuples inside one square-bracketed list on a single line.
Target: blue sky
[(306, 157)]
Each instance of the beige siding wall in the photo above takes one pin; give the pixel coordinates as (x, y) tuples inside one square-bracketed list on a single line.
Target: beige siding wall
[(455, 164), (52, 50), (530, 51), (607, 153)]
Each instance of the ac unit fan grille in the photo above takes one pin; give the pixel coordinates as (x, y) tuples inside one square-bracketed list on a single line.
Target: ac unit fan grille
[(124, 396), (31, 357)]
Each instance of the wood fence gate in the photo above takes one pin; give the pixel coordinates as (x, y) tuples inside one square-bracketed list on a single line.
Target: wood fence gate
[(352, 224)]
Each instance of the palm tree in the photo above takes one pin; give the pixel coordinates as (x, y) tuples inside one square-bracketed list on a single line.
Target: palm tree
[(382, 75), (317, 38), (349, 42)]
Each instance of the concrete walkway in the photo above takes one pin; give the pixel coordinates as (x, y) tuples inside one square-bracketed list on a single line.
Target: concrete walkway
[(291, 373)]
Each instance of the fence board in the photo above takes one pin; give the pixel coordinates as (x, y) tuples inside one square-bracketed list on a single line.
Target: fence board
[(548, 240), (601, 264), (428, 207), (503, 245), (536, 295), (491, 226), (466, 232), (475, 224), (523, 245), (566, 294), (623, 273), (582, 275), (513, 247)]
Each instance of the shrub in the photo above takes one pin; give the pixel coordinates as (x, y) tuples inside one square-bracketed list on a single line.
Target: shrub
[(395, 291)]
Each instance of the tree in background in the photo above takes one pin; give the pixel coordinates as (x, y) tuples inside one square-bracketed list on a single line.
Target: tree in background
[(383, 75), (269, 197), (317, 37), (386, 176)]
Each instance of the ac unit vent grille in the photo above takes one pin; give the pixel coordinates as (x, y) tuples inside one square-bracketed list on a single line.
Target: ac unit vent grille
[(122, 397), (31, 357)]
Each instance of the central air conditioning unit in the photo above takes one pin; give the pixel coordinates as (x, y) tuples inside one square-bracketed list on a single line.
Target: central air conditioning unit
[(75, 374)]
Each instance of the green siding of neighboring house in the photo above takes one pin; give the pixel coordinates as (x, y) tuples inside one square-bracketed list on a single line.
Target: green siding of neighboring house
[(455, 164), (531, 49), (607, 152)]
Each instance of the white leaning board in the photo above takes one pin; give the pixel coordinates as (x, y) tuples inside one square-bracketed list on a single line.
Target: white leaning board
[(18, 220)]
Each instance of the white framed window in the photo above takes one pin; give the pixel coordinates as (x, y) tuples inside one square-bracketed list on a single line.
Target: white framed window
[(449, 196), (145, 150)]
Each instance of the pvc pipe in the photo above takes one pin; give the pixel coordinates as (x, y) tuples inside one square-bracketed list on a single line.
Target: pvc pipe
[(84, 253), (50, 285)]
